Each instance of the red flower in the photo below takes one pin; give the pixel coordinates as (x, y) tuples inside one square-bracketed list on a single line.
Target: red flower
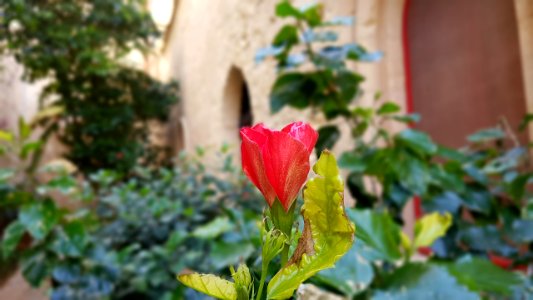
[(277, 162)]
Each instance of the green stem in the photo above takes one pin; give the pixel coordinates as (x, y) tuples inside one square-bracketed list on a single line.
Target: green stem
[(264, 271), (285, 255)]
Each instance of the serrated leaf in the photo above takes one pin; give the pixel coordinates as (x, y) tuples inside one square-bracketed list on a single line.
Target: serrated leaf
[(327, 234), (431, 227), (12, 235), (210, 285)]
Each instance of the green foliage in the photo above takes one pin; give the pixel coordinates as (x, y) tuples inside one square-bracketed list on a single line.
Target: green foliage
[(210, 285), (478, 198), (327, 233), (98, 107), (130, 238)]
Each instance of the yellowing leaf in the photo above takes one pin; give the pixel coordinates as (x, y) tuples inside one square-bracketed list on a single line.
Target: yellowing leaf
[(430, 228), (48, 112), (406, 243), (6, 136), (210, 285), (327, 235)]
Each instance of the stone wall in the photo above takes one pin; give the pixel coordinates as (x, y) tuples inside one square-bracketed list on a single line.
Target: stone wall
[(211, 40)]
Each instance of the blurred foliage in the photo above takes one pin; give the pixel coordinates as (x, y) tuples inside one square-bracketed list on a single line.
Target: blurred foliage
[(482, 192), (129, 239), (98, 107)]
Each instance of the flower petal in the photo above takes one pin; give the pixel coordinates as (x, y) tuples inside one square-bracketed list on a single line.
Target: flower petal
[(252, 162), (304, 133), (286, 164)]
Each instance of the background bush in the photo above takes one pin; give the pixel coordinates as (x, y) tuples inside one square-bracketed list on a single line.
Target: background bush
[(128, 240), (98, 107)]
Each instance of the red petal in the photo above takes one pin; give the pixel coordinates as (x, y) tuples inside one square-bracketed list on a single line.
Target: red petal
[(287, 165), (304, 133), (252, 162)]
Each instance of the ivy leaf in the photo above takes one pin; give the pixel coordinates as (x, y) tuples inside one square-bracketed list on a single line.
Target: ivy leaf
[(327, 233), (430, 228), (12, 235), (210, 285)]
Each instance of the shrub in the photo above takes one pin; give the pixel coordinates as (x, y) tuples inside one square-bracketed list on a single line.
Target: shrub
[(98, 107), (484, 189), (130, 239)]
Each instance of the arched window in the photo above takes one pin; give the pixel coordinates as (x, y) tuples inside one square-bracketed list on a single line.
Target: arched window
[(237, 106)]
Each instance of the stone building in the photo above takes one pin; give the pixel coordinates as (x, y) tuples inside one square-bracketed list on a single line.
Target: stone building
[(461, 64)]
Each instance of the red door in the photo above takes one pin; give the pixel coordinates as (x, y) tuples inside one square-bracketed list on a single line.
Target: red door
[(464, 68)]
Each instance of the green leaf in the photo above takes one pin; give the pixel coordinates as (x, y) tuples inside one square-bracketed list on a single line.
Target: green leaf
[(417, 141), (12, 235), (24, 129), (388, 108), (210, 285), (312, 14), (292, 89), (409, 118), (224, 254), (352, 161), (39, 218), (377, 230), (486, 135), (285, 9), (327, 233), (481, 275), (422, 281), (36, 268), (6, 174), (327, 137), (6, 136), (431, 227), (29, 148), (351, 275), (71, 240), (214, 228), (287, 36), (243, 281)]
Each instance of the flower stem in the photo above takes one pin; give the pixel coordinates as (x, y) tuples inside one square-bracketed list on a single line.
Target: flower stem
[(285, 255), (264, 271)]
